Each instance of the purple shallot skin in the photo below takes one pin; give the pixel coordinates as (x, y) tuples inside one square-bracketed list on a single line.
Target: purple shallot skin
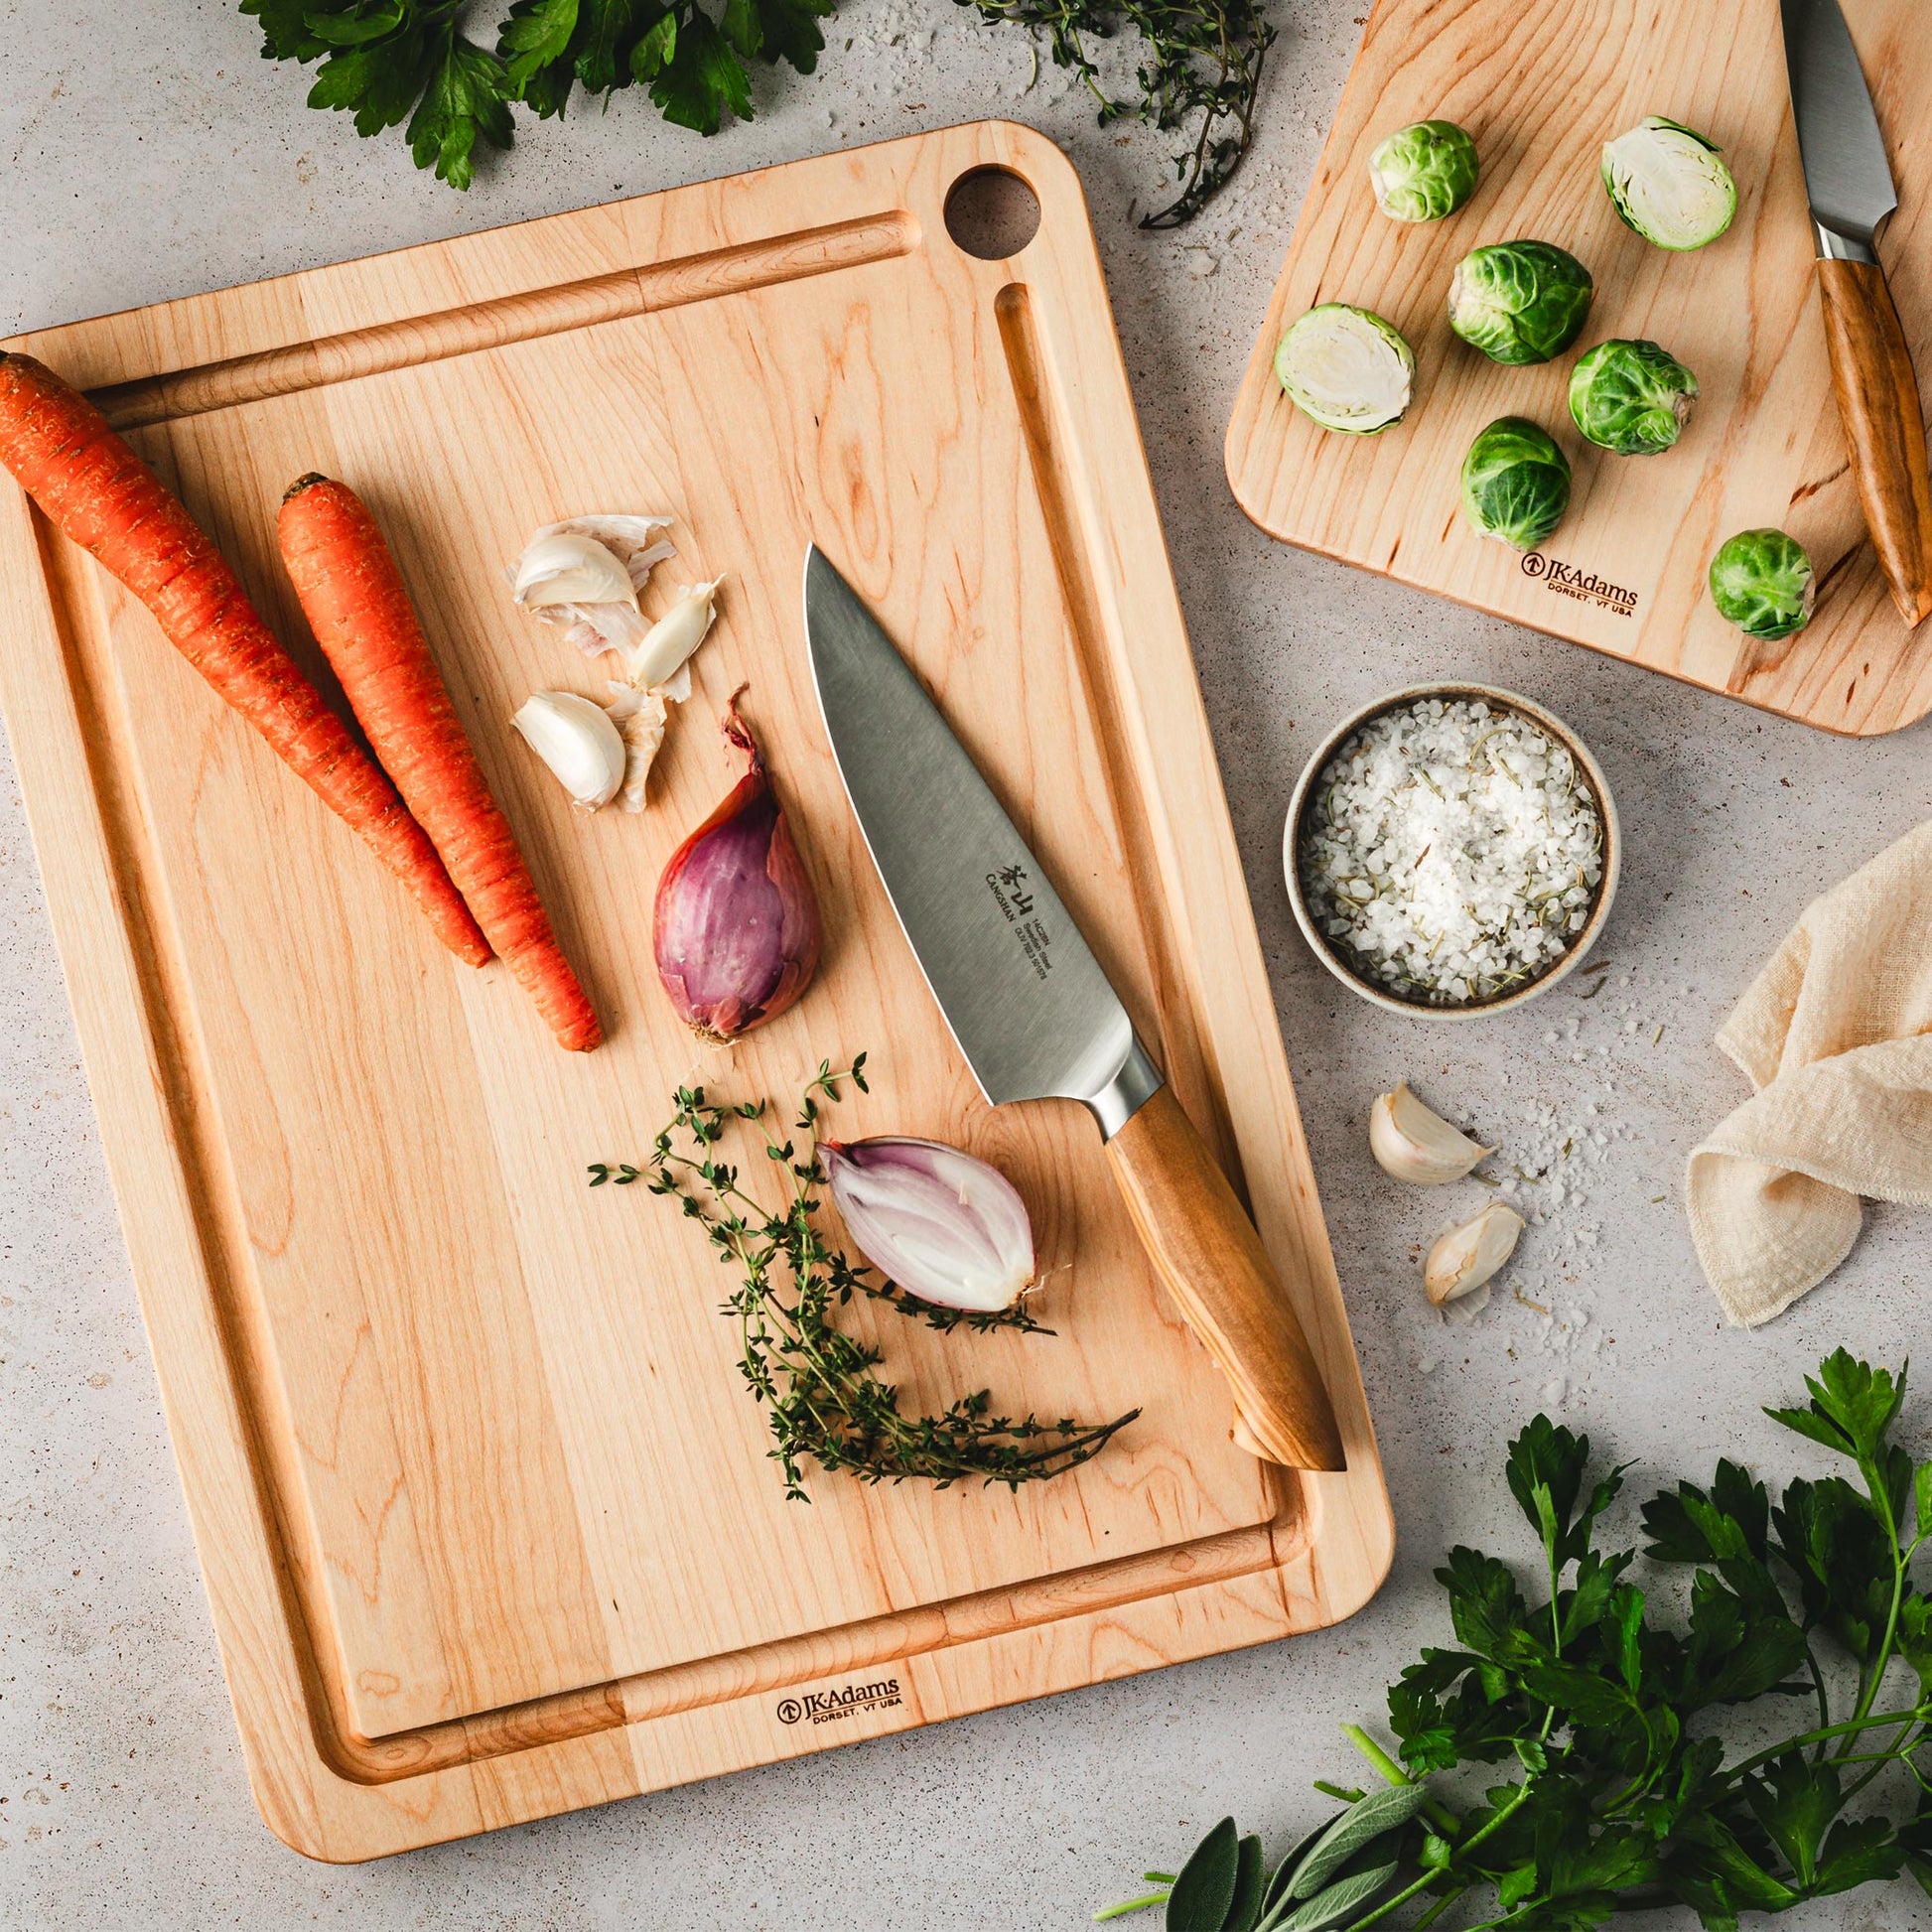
[(736, 926)]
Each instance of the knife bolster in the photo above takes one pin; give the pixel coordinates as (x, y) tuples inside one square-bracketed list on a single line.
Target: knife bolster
[(1136, 1082), (1835, 247)]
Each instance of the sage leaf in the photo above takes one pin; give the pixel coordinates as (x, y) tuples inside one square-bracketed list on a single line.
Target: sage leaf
[(1339, 1902), (1381, 1811), (1275, 1901), (1204, 1894), (1248, 1876)]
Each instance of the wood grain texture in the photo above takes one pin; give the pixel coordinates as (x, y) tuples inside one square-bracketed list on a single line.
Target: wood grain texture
[(487, 1522), (1541, 84), (1213, 1263), (1884, 424)]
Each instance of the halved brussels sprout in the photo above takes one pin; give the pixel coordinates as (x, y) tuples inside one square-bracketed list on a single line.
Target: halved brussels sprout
[(1761, 579), (1631, 397), (1670, 183), (1515, 483), (1425, 172), (1520, 301), (1347, 369)]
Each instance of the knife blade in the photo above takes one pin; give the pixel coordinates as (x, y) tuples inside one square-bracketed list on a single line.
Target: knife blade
[(1849, 184), (1035, 1017)]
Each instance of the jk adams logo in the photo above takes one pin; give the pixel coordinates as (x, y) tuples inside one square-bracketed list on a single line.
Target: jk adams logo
[(829, 1707), (1583, 586)]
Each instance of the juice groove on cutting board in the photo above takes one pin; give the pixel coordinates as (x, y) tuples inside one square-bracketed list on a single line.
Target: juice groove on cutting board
[(484, 1513), (1541, 84)]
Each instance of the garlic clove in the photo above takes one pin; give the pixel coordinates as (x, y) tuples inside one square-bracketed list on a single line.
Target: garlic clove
[(675, 635), (1465, 1257), (565, 568), (578, 741), (1416, 1144), (940, 1224)]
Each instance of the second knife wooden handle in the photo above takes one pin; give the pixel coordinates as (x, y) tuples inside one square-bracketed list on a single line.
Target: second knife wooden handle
[(1878, 402), (1213, 1265)]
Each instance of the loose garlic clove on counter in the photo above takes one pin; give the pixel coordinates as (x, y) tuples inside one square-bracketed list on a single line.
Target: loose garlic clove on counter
[(1465, 1257), (1413, 1143)]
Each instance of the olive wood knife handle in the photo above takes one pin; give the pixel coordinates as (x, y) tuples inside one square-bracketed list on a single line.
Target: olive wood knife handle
[(1878, 401), (1215, 1268)]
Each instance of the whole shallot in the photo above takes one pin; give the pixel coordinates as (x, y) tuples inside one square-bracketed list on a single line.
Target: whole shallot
[(736, 926)]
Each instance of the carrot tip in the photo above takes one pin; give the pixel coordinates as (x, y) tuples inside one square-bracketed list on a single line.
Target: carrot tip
[(303, 483)]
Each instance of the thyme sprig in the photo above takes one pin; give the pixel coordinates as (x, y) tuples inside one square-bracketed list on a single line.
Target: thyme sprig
[(1200, 58), (825, 1399)]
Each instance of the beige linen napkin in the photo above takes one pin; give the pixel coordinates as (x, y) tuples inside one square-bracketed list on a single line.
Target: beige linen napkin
[(1836, 1036)]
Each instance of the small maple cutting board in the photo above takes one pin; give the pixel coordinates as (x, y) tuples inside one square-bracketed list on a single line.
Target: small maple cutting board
[(1541, 84), (485, 1513)]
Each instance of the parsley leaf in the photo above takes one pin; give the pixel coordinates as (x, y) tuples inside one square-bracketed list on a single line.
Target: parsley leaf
[(1626, 1795)]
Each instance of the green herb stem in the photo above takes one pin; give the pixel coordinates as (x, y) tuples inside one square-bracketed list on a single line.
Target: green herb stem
[(824, 1397)]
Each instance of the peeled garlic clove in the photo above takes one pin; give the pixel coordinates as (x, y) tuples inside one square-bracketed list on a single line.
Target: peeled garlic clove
[(938, 1223), (1416, 1144), (675, 635), (577, 740), (1465, 1257), (564, 567)]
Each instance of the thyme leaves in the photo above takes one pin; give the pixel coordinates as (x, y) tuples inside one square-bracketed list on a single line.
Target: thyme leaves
[(825, 1398)]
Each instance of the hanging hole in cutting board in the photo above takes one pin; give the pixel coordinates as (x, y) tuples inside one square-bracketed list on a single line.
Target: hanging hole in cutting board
[(992, 213)]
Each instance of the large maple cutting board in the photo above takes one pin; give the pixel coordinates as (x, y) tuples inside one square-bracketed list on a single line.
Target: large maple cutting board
[(484, 1512), (1541, 84)]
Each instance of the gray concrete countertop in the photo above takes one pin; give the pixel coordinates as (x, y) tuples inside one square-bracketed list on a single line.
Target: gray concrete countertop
[(148, 153)]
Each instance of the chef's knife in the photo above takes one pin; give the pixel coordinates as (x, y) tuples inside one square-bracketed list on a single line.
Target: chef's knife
[(1035, 1017), (1849, 187)]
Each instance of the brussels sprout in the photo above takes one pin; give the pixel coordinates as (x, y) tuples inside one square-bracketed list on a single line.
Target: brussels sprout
[(1515, 483), (1520, 301), (1761, 581), (1425, 172), (1668, 183), (1347, 369), (1631, 397)]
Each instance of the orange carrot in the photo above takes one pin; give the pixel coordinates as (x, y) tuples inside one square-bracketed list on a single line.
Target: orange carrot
[(99, 494), (360, 609)]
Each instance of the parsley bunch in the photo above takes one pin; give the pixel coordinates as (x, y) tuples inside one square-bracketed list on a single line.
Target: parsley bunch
[(1621, 1792), (392, 61), (821, 1388)]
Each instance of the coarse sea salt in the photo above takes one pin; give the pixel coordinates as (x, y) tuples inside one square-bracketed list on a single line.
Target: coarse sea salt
[(1452, 852)]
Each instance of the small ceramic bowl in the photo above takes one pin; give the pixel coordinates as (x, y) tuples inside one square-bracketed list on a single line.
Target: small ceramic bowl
[(1599, 907)]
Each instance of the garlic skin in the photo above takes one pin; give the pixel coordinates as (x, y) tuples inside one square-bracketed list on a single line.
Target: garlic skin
[(674, 637), (578, 741), (1465, 1257), (939, 1224), (1412, 1142), (560, 580)]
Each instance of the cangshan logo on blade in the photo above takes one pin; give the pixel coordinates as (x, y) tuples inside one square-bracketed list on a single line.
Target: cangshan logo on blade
[(828, 1707), (1010, 888)]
